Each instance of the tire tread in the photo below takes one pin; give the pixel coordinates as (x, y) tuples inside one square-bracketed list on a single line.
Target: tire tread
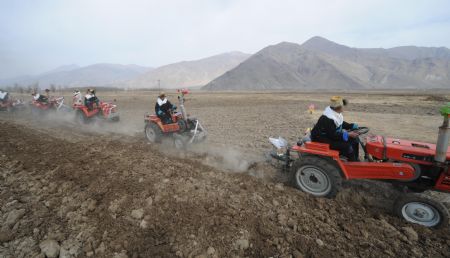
[(332, 170)]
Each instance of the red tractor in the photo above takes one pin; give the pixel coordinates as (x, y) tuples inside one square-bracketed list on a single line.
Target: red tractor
[(11, 105), (183, 129), (412, 166), (104, 110), (53, 104)]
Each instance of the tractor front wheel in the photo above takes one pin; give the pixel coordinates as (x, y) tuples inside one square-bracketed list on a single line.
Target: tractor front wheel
[(419, 209), (179, 141), (316, 176), (153, 133)]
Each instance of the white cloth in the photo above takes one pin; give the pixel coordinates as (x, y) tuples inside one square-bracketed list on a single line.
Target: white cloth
[(162, 101), (338, 118), (77, 99), (278, 142), (3, 94), (36, 96), (88, 96)]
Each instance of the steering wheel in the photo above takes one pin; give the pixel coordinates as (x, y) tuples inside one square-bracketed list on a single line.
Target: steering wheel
[(360, 130)]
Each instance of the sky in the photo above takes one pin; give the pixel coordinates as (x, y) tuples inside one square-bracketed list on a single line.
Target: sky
[(39, 35)]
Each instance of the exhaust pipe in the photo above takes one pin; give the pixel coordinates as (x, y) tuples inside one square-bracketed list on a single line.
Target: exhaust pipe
[(182, 108), (443, 137)]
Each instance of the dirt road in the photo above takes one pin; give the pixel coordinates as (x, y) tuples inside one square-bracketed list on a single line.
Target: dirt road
[(104, 192)]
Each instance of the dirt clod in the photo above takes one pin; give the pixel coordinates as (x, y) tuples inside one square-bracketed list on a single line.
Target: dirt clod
[(410, 233), (14, 216), (50, 248), (138, 213)]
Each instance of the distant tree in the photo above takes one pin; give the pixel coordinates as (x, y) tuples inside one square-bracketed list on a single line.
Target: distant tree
[(52, 88)]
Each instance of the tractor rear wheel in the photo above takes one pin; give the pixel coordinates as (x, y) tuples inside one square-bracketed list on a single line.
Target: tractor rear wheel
[(80, 117), (316, 176), (419, 209), (153, 133)]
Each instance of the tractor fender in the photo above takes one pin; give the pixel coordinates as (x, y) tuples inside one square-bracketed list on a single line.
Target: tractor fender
[(323, 150)]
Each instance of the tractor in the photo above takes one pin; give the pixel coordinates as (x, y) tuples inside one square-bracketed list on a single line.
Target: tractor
[(11, 105), (183, 129), (53, 104), (412, 166), (104, 111)]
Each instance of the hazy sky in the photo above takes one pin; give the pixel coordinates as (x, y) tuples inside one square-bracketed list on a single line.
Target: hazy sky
[(38, 35)]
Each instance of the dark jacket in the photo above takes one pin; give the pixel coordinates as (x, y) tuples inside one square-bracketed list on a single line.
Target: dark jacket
[(326, 130), (42, 99), (164, 108)]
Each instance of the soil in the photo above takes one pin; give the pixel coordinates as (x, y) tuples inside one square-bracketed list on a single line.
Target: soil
[(101, 191)]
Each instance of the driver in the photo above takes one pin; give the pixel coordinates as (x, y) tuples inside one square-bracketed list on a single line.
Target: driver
[(163, 108), (90, 99), (332, 129), (4, 96), (77, 99), (40, 98), (47, 93)]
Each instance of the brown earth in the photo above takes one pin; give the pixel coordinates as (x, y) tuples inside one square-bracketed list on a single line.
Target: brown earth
[(101, 191)]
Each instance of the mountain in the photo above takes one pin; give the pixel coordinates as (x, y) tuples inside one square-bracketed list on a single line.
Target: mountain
[(322, 64), (62, 68), (188, 73), (101, 74)]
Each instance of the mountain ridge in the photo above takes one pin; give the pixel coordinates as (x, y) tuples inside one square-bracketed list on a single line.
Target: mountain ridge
[(99, 74), (192, 73), (319, 63)]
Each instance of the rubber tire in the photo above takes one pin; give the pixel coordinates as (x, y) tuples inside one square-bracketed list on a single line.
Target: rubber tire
[(182, 144), (36, 112), (157, 131), (406, 198), (331, 170), (183, 125), (80, 117)]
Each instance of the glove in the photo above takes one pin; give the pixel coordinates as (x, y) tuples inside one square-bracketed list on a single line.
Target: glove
[(174, 107), (345, 136), (355, 126)]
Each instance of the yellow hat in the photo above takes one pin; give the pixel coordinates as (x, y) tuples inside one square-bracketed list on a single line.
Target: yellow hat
[(162, 94), (336, 101)]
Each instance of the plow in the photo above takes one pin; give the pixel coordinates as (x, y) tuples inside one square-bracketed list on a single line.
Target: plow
[(412, 167)]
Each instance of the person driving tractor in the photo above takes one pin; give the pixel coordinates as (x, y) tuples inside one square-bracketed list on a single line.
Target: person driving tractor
[(47, 93), (77, 99), (90, 99), (333, 130), (40, 98), (4, 96), (163, 107)]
